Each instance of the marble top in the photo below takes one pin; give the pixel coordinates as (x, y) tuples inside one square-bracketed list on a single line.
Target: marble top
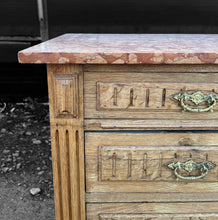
[(125, 49)]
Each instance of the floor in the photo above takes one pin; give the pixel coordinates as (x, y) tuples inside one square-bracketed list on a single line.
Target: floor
[(25, 161)]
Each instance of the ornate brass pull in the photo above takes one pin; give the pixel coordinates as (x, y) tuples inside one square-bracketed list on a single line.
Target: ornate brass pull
[(190, 166), (197, 98)]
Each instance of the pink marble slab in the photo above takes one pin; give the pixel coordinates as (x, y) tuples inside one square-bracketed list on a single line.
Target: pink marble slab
[(125, 49)]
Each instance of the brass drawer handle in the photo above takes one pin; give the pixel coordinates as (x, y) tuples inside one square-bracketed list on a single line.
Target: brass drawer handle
[(190, 166), (197, 98)]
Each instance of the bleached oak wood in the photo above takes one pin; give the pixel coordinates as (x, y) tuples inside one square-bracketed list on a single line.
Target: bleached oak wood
[(140, 95), (198, 211), (151, 197), (182, 68), (107, 161), (147, 96), (67, 137), (156, 148), (158, 216), (117, 125)]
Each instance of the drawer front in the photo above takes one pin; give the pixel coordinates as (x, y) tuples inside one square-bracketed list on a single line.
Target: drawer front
[(151, 162), (143, 95), (150, 211), (158, 217)]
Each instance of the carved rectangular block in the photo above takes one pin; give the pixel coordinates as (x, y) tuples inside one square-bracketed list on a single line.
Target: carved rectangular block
[(66, 94), (148, 96)]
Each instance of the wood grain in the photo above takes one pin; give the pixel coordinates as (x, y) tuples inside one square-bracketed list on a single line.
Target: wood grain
[(67, 135), (130, 124), (66, 94), (126, 171), (148, 97), (151, 197), (107, 94), (123, 211), (107, 161), (149, 163), (182, 68), (158, 216)]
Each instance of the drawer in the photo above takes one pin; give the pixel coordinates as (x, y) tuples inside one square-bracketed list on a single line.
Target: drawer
[(150, 211), (151, 162), (150, 95)]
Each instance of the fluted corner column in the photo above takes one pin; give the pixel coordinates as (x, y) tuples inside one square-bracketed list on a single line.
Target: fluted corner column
[(65, 83)]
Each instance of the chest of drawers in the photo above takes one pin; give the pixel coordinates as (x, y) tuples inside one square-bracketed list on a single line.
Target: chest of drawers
[(133, 125)]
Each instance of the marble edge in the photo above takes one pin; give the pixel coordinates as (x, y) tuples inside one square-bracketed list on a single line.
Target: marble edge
[(117, 58)]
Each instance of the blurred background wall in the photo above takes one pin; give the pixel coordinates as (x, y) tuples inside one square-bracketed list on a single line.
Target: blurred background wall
[(25, 23)]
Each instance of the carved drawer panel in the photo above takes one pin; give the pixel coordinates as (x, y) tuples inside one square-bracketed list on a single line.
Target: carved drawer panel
[(151, 95), (151, 211), (128, 163), (151, 162)]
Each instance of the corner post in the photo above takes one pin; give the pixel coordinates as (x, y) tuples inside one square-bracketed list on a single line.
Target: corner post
[(65, 84)]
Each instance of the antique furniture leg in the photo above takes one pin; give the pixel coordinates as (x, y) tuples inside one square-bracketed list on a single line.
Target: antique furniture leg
[(65, 84)]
